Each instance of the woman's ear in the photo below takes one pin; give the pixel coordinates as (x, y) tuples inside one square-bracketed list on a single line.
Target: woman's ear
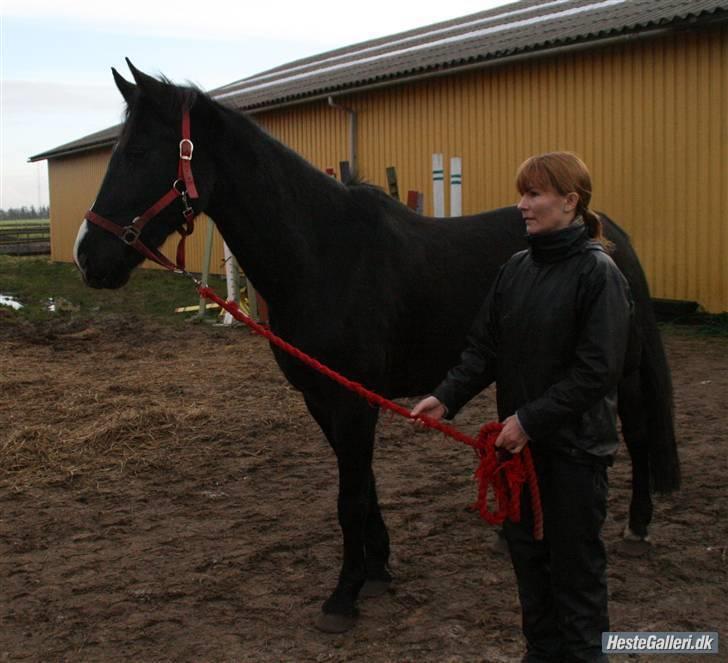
[(571, 201)]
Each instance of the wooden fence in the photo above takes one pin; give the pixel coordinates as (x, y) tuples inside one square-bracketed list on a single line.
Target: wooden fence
[(25, 238)]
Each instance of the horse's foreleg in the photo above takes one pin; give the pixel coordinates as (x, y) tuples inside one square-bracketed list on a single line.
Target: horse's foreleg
[(353, 442), (376, 548), (632, 414), (322, 416)]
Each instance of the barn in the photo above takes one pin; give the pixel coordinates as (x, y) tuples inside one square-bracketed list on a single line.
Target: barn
[(638, 88)]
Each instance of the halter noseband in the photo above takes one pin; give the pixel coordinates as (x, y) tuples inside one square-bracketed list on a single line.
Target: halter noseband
[(183, 187)]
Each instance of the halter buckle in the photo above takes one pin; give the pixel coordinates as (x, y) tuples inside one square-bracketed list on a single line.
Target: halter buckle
[(185, 149), (130, 233), (187, 212)]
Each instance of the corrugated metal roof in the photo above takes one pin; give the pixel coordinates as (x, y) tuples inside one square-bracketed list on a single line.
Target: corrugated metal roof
[(519, 27), (501, 32)]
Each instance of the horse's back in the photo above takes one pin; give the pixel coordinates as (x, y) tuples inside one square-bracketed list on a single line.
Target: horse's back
[(446, 273)]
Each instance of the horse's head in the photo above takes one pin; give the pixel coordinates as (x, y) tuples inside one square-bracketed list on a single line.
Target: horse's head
[(144, 167)]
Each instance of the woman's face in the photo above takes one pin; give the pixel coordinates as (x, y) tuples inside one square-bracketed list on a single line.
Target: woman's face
[(545, 210)]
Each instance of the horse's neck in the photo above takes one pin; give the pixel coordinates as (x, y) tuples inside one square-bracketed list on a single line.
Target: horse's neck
[(271, 208)]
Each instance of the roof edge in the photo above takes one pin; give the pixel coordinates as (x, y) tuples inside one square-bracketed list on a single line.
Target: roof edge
[(638, 32), (60, 152), (447, 70)]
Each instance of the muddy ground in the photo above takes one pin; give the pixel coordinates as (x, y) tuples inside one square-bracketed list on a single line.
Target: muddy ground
[(164, 496)]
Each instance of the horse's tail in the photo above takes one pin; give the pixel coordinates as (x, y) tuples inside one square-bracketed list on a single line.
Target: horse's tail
[(655, 379), (656, 384)]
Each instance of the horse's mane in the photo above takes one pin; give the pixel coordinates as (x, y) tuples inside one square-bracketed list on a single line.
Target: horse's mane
[(357, 183), (357, 180), (182, 98)]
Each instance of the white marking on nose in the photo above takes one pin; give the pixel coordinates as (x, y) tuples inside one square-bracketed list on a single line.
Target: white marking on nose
[(81, 234)]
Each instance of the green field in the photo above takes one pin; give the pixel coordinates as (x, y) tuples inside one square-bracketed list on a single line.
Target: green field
[(30, 222), (34, 281)]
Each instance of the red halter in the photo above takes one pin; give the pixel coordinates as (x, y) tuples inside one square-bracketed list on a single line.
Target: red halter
[(183, 187)]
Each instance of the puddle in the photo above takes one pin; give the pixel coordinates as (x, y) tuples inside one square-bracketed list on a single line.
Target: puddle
[(6, 300)]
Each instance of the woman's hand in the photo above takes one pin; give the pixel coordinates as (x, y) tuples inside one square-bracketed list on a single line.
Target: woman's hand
[(512, 438), (430, 407)]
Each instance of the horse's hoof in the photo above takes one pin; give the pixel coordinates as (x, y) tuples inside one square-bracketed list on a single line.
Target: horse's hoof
[(330, 623), (373, 588), (634, 545)]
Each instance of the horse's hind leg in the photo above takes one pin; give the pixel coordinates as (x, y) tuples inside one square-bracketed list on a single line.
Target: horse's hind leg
[(353, 441), (634, 429), (376, 548)]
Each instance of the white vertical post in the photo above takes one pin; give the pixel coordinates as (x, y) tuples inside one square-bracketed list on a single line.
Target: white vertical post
[(456, 186), (206, 263), (233, 282), (438, 185)]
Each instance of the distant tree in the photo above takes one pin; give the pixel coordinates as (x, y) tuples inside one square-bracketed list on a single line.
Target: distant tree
[(25, 212)]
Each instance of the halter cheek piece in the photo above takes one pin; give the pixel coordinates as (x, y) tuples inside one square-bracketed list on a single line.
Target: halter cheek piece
[(183, 187)]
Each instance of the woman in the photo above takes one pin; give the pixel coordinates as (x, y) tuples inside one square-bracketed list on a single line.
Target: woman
[(552, 334)]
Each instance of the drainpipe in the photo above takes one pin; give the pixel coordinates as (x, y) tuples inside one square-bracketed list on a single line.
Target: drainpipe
[(353, 151)]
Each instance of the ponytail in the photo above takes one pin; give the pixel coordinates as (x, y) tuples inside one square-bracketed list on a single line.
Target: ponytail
[(595, 227)]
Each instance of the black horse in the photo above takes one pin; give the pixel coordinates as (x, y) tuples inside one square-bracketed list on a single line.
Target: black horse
[(356, 279)]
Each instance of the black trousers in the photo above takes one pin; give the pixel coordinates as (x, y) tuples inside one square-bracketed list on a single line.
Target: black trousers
[(562, 580)]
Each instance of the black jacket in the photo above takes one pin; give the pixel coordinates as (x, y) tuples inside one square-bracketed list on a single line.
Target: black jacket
[(552, 334)]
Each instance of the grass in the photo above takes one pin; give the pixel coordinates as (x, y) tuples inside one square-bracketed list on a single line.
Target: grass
[(25, 222), (36, 280)]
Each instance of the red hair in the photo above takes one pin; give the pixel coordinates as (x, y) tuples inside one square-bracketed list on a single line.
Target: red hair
[(565, 173)]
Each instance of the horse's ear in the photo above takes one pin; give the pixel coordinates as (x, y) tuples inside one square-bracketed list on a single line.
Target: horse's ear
[(127, 89), (151, 86)]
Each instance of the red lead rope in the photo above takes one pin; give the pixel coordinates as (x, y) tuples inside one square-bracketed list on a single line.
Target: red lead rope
[(506, 477)]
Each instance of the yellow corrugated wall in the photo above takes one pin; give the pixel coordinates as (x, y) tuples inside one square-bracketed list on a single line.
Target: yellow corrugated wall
[(73, 184), (648, 117)]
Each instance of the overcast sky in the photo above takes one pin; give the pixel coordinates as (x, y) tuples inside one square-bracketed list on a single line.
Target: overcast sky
[(55, 80)]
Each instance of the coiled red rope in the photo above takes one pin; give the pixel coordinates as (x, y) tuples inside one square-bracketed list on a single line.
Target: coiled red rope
[(504, 477)]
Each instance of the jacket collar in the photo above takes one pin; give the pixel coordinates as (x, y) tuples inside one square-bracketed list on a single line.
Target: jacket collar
[(560, 244)]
